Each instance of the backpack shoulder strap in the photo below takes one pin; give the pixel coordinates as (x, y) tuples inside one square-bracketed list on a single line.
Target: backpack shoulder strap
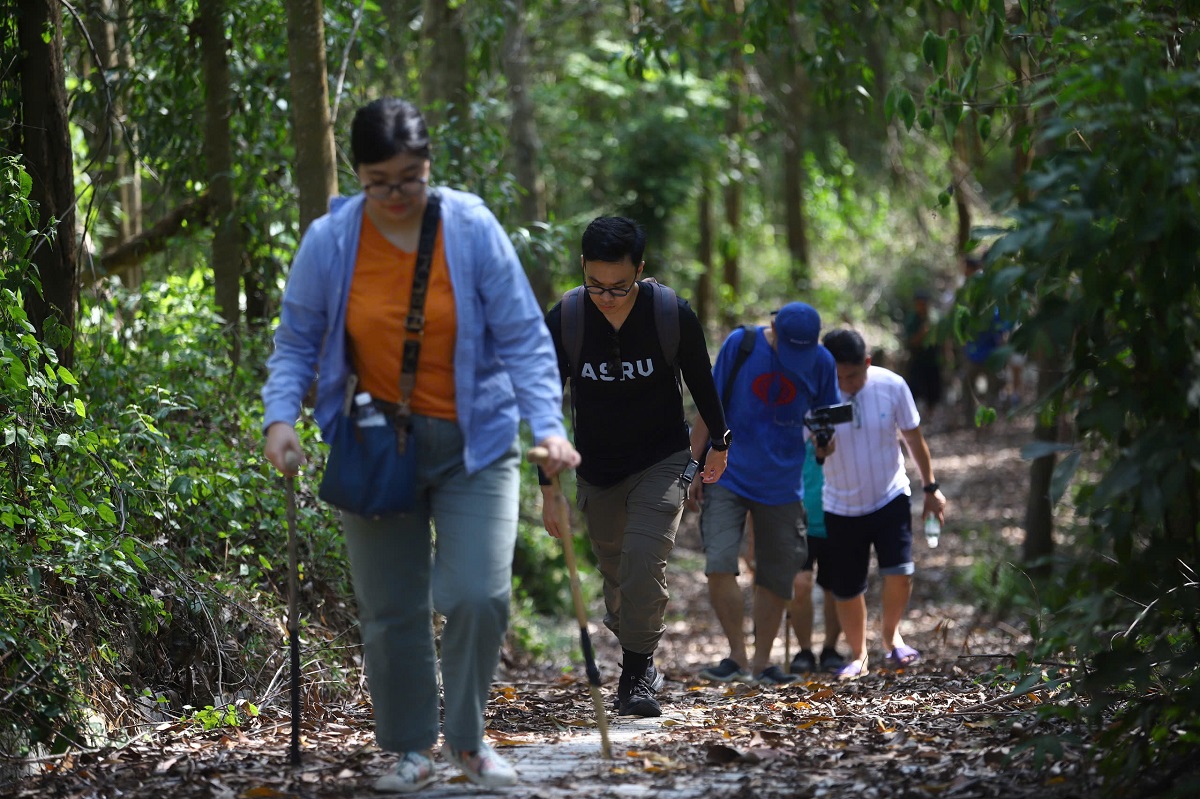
[(745, 347), (666, 320), (571, 317)]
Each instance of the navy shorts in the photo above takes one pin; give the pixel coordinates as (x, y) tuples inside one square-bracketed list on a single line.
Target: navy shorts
[(849, 541), (818, 560)]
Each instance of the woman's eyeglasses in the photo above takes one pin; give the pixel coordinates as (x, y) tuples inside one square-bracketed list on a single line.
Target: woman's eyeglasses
[(409, 187)]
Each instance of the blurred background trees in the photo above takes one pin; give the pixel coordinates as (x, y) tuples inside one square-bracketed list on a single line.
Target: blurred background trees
[(161, 160)]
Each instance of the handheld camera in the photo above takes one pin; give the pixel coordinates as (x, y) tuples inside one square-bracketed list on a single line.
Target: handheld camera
[(822, 420)]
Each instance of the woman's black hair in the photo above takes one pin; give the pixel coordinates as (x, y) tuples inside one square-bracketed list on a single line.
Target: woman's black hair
[(846, 346), (385, 128), (611, 238)]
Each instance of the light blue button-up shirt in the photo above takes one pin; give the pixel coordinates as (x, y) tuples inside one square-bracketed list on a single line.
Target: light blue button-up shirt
[(504, 363)]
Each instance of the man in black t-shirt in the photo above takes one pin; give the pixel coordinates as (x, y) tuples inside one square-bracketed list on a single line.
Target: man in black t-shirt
[(631, 430)]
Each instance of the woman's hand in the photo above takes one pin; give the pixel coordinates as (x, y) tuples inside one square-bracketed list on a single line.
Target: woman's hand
[(560, 455), (282, 441)]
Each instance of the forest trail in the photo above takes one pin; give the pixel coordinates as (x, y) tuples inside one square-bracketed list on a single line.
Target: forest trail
[(945, 727)]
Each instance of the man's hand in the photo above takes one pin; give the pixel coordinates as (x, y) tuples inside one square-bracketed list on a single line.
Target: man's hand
[(714, 466), (554, 508), (695, 495), (935, 504), (824, 452)]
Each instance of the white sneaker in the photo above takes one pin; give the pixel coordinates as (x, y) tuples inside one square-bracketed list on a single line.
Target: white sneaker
[(412, 773), (485, 767)]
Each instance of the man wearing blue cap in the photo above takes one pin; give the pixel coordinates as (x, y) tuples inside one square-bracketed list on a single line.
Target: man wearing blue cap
[(766, 394)]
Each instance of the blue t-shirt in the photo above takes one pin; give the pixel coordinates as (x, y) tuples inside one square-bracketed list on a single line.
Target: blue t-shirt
[(766, 410)]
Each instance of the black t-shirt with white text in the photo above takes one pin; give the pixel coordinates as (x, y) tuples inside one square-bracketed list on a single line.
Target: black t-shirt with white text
[(630, 416)]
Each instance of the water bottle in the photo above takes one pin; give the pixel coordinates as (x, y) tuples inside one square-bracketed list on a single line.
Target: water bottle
[(366, 413), (933, 530)]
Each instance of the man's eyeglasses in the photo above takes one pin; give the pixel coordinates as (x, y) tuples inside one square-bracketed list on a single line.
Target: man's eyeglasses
[(409, 187), (596, 291)]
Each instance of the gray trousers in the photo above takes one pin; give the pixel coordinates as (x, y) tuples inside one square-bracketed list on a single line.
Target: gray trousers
[(400, 575), (632, 527)]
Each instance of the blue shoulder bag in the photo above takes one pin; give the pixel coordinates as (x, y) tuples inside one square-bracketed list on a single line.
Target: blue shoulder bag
[(372, 470)]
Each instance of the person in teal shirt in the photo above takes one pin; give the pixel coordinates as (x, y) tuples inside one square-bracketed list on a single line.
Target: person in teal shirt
[(800, 609)]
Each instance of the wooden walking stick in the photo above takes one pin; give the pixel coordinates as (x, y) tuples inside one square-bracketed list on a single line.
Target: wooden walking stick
[(539, 455), (292, 462)]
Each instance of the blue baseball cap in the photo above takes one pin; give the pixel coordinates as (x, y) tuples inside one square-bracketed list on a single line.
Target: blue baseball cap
[(797, 337)]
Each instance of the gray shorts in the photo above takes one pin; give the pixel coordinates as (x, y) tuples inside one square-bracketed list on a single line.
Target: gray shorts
[(780, 548)]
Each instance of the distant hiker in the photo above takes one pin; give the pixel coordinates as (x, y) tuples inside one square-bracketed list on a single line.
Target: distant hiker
[(981, 355), (632, 433), (770, 377), (800, 610), (483, 364), (866, 499), (924, 369)]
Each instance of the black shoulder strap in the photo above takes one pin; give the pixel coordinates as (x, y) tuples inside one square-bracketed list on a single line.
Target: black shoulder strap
[(571, 320), (414, 324), (745, 347), (666, 320)]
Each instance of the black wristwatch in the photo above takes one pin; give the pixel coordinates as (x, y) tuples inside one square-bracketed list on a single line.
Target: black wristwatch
[(723, 444), (931, 488)]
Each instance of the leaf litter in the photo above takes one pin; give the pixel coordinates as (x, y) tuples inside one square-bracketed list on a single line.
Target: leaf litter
[(942, 727)]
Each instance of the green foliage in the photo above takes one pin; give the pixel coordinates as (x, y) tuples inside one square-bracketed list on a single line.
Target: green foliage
[(1102, 265), (66, 536), (212, 718)]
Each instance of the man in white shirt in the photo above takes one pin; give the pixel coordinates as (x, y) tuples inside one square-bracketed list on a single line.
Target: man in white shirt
[(866, 499)]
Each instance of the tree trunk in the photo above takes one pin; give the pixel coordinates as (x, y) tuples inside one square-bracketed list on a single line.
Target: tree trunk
[(704, 249), (315, 169), (445, 89), (793, 178), (45, 143), (218, 153), (398, 18), (117, 173), (734, 125), (1039, 512), (526, 146)]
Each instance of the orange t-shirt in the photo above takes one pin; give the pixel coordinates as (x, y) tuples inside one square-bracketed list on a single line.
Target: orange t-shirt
[(379, 297)]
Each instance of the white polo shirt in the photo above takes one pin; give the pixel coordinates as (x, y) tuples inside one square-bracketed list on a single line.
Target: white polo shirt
[(866, 471)]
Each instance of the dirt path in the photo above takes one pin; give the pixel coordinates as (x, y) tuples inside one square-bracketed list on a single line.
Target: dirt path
[(946, 727)]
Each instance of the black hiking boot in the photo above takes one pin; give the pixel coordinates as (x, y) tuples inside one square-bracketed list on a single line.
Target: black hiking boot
[(635, 696), (654, 677)]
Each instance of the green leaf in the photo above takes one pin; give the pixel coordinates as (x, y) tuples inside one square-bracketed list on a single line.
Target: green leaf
[(80, 408), (935, 50), (984, 125), (106, 513), (908, 109), (64, 374)]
